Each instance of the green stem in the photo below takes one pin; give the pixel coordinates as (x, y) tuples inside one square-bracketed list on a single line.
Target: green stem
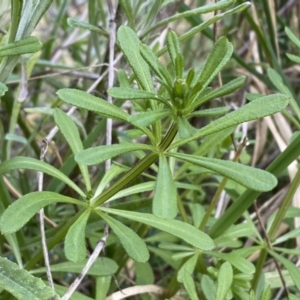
[(259, 267), (138, 169)]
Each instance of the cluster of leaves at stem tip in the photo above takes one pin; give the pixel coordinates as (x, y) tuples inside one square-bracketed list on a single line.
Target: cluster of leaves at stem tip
[(170, 102)]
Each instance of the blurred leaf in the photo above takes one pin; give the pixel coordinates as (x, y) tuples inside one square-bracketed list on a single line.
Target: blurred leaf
[(132, 243), (92, 103), (96, 155), (149, 117), (71, 134), (103, 266), (188, 267), (250, 177), (83, 25), (75, 249), (292, 37), (22, 210), (293, 58), (126, 6), (189, 285), (259, 108), (165, 193), (185, 231), (28, 44), (266, 294), (144, 273), (3, 89), (130, 46), (29, 163), (208, 287), (225, 277), (292, 269), (23, 285)]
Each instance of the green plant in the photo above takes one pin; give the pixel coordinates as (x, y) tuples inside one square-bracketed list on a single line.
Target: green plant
[(182, 159)]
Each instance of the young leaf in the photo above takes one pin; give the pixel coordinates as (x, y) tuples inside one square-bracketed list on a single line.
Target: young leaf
[(23, 285), (132, 243), (173, 46), (292, 269), (165, 195), (188, 267), (259, 108), (103, 266), (225, 277), (28, 44), (99, 154), (252, 178), (92, 103), (22, 210), (189, 285), (217, 58), (185, 231), (266, 294), (29, 163), (75, 249), (71, 134), (130, 46), (158, 68)]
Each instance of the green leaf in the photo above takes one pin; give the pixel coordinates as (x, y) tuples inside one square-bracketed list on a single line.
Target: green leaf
[(226, 89), (239, 262), (92, 103), (165, 195), (132, 243), (158, 68), (266, 294), (126, 6), (71, 134), (144, 273), (83, 25), (259, 108), (147, 118), (211, 112), (28, 44), (292, 297), (217, 58), (75, 249), (103, 266), (188, 267), (208, 287), (173, 46), (22, 210), (293, 58), (190, 286), (225, 277), (292, 37), (3, 89), (29, 163), (99, 154), (23, 285), (130, 46), (292, 269), (185, 129), (250, 177), (185, 231)]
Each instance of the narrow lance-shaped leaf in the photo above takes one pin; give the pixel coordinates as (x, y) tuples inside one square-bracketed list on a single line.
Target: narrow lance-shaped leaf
[(132, 243), (29, 163), (165, 195), (99, 154), (130, 46), (225, 277), (83, 25), (259, 108), (189, 284), (84, 100), (71, 134), (103, 266), (23, 285), (28, 44), (173, 46), (3, 89), (22, 210), (252, 178), (292, 269), (75, 249), (185, 231), (188, 267), (149, 117)]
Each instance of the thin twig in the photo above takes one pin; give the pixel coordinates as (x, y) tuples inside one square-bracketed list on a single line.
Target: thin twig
[(40, 176)]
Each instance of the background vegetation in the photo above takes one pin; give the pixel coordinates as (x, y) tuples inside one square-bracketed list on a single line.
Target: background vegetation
[(248, 243)]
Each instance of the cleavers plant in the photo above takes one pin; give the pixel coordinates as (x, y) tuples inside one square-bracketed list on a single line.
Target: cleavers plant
[(165, 99)]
